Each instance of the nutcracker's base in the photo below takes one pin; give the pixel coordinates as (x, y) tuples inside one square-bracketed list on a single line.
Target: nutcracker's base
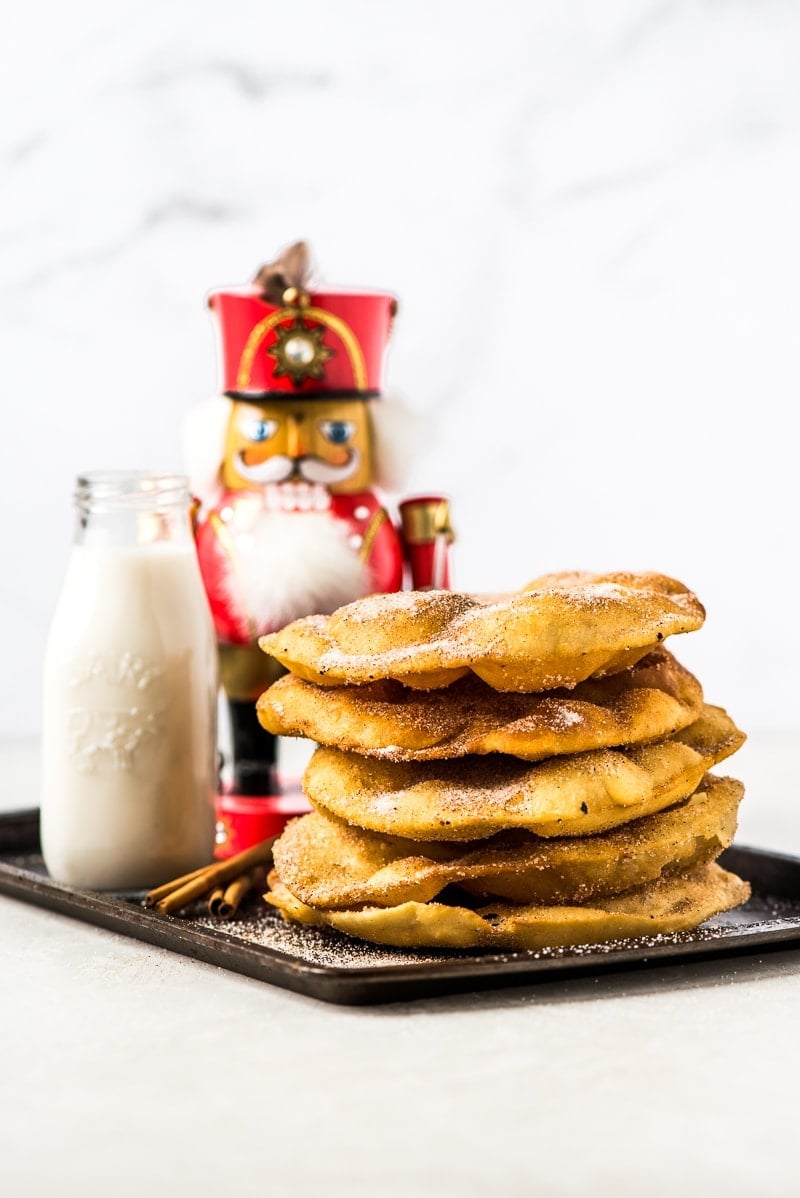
[(245, 820)]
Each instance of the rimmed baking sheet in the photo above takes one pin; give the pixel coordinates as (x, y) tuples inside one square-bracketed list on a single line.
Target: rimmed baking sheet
[(327, 965)]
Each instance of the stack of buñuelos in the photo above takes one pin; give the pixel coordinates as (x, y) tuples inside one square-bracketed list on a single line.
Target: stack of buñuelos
[(505, 771)]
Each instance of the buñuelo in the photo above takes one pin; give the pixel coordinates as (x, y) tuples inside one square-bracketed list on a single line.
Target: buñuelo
[(561, 630), (473, 797), (329, 864), (653, 699), (670, 904)]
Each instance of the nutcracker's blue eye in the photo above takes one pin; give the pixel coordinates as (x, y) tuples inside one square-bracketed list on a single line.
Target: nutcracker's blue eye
[(259, 430), (338, 432)]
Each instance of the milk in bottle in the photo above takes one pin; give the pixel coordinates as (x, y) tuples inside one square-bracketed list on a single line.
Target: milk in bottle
[(129, 703)]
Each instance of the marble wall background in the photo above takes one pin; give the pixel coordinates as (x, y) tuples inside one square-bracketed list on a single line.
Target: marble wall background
[(589, 212)]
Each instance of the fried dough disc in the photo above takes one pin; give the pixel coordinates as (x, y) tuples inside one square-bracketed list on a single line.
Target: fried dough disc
[(328, 864), (673, 904), (474, 797), (563, 629), (654, 698)]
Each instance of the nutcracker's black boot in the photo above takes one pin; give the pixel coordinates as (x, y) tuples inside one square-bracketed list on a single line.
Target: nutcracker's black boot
[(254, 751)]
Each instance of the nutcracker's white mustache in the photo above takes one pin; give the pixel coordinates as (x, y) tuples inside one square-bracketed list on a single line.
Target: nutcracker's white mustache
[(281, 467), (317, 470)]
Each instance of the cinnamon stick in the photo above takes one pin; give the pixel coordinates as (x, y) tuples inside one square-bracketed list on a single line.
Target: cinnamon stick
[(160, 892), (218, 874), (215, 900), (235, 892)]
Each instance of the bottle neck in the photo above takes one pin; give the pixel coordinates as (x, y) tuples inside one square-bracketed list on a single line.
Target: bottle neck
[(127, 510)]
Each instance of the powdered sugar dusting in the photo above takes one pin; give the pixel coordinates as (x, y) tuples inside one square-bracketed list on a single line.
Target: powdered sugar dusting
[(566, 718), (387, 720), (261, 928), (318, 946), (570, 628), (326, 947)]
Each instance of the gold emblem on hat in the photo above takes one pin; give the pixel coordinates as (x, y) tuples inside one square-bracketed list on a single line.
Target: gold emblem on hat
[(298, 351)]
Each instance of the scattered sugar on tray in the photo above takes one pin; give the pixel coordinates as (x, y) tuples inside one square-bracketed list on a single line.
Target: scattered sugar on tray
[(316, 945), (324, 947), (328, 948)]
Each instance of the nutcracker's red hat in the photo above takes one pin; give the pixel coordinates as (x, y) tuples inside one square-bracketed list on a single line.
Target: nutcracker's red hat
[(280, 339)]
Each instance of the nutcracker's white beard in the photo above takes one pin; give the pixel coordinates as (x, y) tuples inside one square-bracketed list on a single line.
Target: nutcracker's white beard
[(295, 564)]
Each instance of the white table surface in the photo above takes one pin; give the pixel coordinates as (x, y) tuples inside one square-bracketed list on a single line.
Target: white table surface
[(130, 1071)]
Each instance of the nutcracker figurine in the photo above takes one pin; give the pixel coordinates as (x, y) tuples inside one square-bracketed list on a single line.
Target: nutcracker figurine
[(289, 465)]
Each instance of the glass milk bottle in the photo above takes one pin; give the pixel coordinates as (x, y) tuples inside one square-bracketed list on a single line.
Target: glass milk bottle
[(129, 704)]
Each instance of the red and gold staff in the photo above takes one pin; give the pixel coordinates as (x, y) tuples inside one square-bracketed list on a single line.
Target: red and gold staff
[(290, 464)]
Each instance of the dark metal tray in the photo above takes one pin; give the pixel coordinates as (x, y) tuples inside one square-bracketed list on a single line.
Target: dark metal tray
[(327, 965)]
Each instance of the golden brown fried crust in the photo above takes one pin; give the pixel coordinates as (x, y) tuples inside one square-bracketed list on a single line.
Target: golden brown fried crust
[(509, 772), (328, 864), (470, 798), (560, 631), (670, 904), (386, 719)]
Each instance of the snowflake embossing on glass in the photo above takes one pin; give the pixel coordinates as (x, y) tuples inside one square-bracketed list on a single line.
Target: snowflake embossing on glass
[(109, 739)]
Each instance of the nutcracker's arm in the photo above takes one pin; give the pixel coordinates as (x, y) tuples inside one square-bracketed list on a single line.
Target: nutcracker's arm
[(427, 540)]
